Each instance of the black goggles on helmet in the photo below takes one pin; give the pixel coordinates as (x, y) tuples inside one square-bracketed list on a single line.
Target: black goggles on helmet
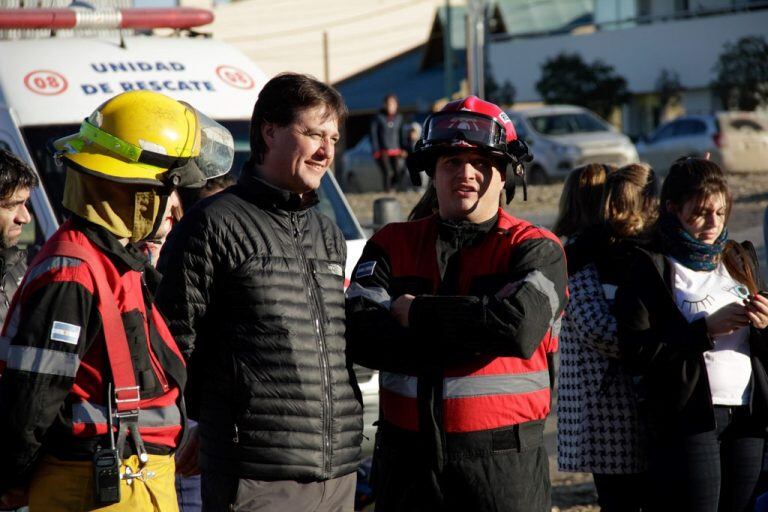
[(464, 128)]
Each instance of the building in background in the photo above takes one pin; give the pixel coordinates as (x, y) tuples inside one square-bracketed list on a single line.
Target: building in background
[(331, 40), (639, 38)]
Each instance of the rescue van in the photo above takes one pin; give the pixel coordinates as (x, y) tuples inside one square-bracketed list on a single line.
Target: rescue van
[(49, 84)]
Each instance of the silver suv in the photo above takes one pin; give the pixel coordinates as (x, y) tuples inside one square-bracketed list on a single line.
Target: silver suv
[(737, 141), (562, 137)]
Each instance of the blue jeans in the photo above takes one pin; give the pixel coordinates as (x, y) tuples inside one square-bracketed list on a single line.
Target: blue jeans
[(713, 471), (188, 493)]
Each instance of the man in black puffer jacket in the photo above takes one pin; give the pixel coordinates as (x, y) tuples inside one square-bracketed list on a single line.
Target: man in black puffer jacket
[(253, 290), (17, 180)]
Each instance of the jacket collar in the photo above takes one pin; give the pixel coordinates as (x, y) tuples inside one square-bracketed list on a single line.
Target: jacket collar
[(263, 192), (129, 256), (9, 257)]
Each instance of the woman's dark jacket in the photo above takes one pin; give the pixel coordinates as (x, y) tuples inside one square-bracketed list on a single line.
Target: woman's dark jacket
[(253, 287), (666, 352)]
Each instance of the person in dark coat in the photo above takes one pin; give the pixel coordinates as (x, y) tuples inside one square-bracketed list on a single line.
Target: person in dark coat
[(17, 180), (692, 328), (253, 288), (598, 426), (387, 143)]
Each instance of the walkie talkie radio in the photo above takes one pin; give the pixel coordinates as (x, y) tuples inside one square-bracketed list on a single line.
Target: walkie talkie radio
[(106, 465)]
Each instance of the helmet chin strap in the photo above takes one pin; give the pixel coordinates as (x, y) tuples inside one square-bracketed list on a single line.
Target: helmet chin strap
[(514, 169), (160, 214)]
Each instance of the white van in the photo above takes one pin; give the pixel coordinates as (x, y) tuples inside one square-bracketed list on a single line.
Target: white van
[(49, 84)]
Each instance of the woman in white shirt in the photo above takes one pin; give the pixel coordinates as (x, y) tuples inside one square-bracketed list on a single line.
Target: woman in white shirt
[(692, 327)]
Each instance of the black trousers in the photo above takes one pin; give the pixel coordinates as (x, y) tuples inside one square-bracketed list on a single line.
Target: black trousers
[(713, 471), (621, 493), (492, 471), (391, 172)]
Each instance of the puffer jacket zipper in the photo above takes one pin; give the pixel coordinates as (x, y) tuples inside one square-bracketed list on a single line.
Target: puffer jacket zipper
[(316, 309)]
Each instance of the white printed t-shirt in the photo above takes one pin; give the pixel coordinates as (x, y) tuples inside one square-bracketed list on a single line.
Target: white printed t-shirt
[(699, 294)]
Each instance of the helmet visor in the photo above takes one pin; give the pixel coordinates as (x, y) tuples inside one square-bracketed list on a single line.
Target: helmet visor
[(217, 147), (464, 128)]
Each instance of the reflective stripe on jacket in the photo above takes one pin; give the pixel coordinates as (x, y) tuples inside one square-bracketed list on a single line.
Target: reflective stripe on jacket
[(490, 387), (158, 365)]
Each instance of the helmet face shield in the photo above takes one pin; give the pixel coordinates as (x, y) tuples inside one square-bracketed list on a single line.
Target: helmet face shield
[(462, 128), (217, 147)]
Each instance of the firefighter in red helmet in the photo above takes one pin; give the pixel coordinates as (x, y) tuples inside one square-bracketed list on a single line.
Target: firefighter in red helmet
[(459, 311)]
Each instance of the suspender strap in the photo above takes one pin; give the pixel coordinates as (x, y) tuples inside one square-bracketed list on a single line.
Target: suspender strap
[(126, 390)]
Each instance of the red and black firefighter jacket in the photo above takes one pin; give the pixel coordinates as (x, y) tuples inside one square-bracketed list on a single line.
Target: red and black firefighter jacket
[(54, 363), (486, 315)]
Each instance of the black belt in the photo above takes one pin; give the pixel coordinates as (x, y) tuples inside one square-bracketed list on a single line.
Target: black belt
[(520, 437), (77, 448)]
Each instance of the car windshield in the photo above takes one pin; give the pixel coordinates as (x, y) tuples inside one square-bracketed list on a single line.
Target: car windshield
[(567, 124), (331, 202)]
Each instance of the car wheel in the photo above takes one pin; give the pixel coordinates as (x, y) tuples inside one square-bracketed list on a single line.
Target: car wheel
[(537, 176)]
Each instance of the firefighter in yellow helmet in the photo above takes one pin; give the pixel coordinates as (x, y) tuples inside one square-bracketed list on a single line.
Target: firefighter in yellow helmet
[(91, 407)]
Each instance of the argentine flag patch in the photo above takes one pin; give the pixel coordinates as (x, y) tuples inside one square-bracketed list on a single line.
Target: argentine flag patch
[(365, 269), (65, 333)]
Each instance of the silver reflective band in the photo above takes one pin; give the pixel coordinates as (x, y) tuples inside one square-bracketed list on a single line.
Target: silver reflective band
[(557, 326), (468, 386), (86, 412), (540, 282), (545, 286), (506, 384), (43, 360), (376, 294), (51, 263), (404, 385)]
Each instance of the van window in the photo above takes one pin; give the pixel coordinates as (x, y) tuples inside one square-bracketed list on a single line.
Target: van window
[(566, 124)]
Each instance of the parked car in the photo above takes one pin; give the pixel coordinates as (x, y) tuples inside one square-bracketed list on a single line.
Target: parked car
[(359, 172), (737, 141), (562, 137)]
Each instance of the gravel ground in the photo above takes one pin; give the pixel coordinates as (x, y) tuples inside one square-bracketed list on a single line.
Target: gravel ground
[(575, 492)]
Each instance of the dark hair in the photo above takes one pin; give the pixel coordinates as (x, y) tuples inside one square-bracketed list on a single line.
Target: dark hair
[(427, 204), (281, 100), (698, 179), (694, 178), (630, 201), (580, 199), (14, 174)]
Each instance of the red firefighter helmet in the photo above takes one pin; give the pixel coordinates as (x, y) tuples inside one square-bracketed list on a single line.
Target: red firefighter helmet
[(470, 124)]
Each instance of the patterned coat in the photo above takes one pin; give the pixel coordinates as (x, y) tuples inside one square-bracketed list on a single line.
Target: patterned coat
[(598, 426)]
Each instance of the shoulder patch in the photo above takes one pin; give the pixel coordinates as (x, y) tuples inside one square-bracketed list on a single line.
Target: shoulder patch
[(66, 333), (335, 269), (365, 269)]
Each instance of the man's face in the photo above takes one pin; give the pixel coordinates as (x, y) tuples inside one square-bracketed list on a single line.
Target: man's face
[(171, 216), (299, 154), (468, 186), (13, 216)]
